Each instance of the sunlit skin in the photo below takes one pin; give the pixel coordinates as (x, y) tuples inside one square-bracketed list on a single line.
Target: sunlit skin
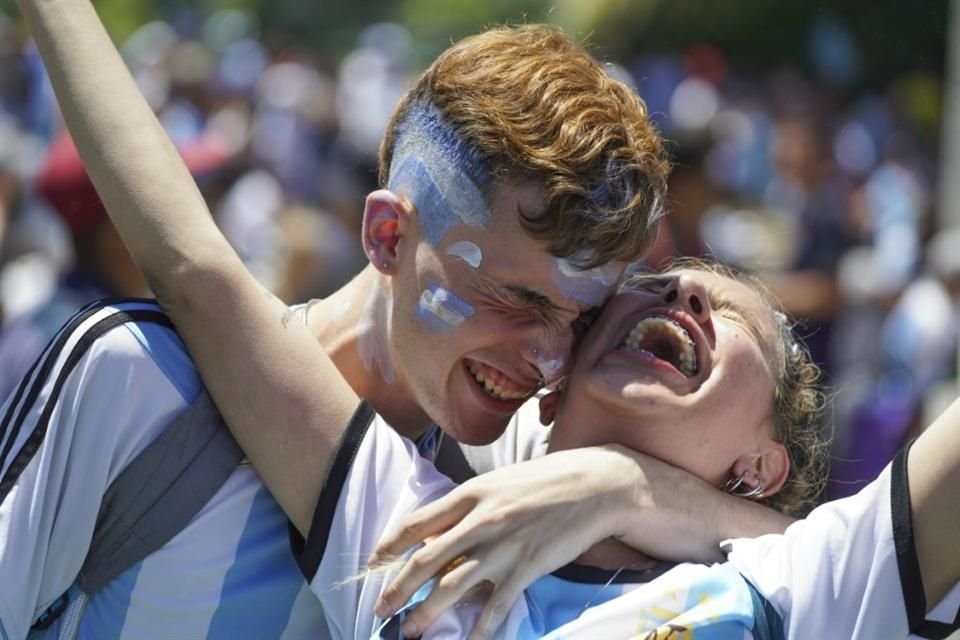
[(707, 423), (521, 319)]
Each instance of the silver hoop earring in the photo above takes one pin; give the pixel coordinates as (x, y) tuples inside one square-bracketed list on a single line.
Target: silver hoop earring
[(736, 486)]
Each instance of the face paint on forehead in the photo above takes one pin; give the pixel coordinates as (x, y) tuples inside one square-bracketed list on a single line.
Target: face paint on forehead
[(587, 286), (441, 309), (372, 341), (440, 174), (468, 252)]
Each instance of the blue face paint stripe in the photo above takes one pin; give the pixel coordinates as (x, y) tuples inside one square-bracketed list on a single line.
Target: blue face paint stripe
[(436, 216), (431, 165), (441, 309)]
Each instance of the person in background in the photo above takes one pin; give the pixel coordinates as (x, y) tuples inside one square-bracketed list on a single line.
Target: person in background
[(102, 267)]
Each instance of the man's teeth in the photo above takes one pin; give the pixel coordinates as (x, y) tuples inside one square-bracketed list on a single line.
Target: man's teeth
[(495, 389), (662, 329)]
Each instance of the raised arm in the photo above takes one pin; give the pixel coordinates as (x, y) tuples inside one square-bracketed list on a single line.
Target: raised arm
[(281, 395)]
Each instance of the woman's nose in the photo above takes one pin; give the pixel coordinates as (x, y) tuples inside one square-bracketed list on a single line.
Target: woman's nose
[(690, 294)]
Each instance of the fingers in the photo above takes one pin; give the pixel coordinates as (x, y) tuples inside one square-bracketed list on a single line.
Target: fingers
[(450, 589), (497, 609), (432, 559), (427, 521)]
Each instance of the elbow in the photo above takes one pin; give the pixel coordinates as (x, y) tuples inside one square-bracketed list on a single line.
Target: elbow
[(194, 286)]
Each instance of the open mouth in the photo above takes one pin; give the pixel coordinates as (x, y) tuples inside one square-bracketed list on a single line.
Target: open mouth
[(496, 384), (665, 339)]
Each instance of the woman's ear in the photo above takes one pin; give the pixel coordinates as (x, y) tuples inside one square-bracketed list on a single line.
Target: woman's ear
[(768, 469), (548, 407), (386, 219)]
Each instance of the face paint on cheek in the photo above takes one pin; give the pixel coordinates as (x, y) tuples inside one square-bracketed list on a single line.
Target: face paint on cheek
[(439, 173), (590, 286), (441, 309), (468, 252), (372, 341)]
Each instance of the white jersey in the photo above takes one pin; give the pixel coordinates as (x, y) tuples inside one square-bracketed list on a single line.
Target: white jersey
[(104, 388), (378, 477)]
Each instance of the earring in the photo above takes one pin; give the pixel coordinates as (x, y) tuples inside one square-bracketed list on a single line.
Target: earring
[(736, 486), (385, 265)]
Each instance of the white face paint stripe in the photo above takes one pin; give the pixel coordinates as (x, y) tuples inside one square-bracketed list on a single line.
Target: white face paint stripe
[(468, 252), (550, 368), (590, 286), (372, 342)]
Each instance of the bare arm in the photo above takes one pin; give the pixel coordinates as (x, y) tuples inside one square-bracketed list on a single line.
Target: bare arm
[(933, 467), (281, 395), (581, 497)]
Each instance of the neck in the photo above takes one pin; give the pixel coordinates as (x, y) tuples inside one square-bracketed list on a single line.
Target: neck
[(611, 554), (353, 326)]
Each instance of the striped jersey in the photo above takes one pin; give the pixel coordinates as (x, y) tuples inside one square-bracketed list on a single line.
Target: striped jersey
[(110, 381), (847, 571)]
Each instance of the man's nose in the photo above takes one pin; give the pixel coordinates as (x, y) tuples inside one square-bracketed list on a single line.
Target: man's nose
[(687, 292), (549, 354)]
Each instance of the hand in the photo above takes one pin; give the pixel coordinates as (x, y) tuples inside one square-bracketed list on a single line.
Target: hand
[(507, 528)]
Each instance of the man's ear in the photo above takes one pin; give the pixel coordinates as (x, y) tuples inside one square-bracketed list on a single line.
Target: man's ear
[(386, 219), (548, 407), (771, 467)]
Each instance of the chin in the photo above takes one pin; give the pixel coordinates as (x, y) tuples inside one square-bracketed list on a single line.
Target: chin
[(475, 434)]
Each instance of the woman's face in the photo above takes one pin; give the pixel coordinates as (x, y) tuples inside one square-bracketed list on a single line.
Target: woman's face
[(677, 368)]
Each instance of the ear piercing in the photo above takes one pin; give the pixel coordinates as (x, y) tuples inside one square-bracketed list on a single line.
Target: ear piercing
[(736, 486)]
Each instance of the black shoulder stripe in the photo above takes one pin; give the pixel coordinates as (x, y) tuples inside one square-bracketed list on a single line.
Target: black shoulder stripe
[(35, 439), (934, 630), (911, 582), (45, 362), (309, 553)]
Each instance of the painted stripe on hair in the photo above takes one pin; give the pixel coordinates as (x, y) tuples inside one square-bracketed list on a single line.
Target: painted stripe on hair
[(440, 174)]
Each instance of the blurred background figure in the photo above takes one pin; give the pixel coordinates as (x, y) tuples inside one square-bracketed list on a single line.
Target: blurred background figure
[(807, 142)]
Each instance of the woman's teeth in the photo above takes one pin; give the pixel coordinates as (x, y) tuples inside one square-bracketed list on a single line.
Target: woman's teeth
[(494, 388), (666, 340)]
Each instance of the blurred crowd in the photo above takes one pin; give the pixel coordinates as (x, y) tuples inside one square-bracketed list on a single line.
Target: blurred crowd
[(826, 191)]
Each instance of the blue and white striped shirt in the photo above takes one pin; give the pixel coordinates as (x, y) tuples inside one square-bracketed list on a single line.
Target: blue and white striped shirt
[(103, 389)]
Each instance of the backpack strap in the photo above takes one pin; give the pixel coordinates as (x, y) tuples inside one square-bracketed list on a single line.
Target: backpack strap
[(160, 491)]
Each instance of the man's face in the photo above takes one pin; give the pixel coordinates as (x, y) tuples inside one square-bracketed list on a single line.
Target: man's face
[(484, 317)]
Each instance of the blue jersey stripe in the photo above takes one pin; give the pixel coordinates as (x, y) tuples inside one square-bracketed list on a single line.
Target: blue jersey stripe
[(260, 591), (169, 353)]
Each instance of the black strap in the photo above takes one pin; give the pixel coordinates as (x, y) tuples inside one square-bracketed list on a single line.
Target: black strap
[(156, 495)]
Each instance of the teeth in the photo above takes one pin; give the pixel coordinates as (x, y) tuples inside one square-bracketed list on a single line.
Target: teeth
[(494, 389), (685, 346)]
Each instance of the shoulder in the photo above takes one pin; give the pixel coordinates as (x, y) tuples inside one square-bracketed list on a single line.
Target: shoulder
[(131, 335)]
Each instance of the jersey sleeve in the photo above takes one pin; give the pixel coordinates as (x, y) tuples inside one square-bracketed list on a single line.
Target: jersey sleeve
[(848, 570), (93, 400), (376, 478)]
